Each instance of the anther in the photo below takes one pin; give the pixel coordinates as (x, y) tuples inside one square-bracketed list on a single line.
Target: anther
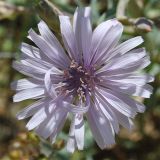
[(81, 80)]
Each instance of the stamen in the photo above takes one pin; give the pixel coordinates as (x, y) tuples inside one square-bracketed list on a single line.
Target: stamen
[(81, 80), (73, 64), (77, 80)]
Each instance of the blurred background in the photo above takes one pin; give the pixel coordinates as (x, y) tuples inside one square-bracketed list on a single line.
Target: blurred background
[(139, 17)]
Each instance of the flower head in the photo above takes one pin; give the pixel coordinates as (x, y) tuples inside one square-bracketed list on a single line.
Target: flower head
[(93, 76)]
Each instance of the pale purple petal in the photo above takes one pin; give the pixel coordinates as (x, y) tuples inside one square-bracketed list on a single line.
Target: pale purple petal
[(68, 37), (36, 65), (108, 113), (31, 93), (58, 128), (123, 120), (37, 61), (124, 61), (47, 49), (108, 41), (115, 102), (99, 34), (31, 51), (81, 27), (32, 109), (95, 130), (138, 107), (29, 71), (23, 84), (51, 123), (48, 84), (139, 79), (130, 89), (71, 143), (50, 38), (79, 131), (76, 134), (126, 67), (86, 40), (37, 119), (101, 126), (78, 14), (125, 46)]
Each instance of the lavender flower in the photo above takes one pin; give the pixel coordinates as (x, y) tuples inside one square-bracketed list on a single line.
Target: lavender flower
[(94, 76)]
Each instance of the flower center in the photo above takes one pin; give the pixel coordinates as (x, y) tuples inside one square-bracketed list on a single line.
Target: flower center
[(77, 80)]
